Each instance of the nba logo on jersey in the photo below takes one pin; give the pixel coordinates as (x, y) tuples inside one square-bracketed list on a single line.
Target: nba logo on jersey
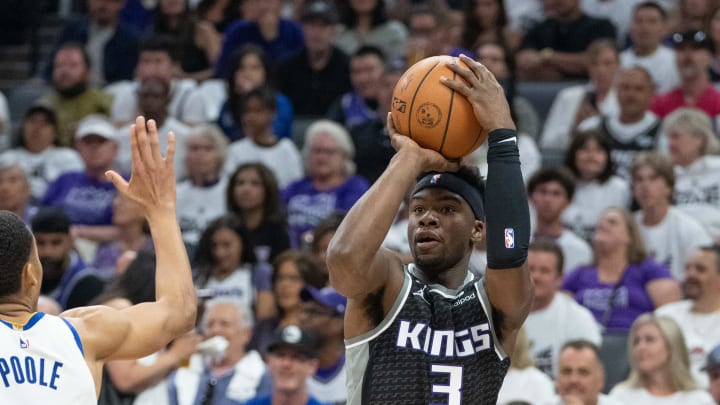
[(24, 344), (435, 178), (509, 238)]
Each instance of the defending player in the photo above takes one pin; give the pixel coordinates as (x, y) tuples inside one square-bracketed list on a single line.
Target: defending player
[(429, 332), (46, 359)]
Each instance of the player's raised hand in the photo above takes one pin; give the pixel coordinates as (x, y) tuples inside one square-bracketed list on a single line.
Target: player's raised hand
[(431, 160), (484, 93), (152, 180)]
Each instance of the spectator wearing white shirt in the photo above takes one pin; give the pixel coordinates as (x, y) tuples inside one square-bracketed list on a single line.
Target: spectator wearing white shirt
[(648, 27), (659, 366), (570, 320), (596, 185), (551, 190), (699, 315), (692, 144), (669, 234), (261, 144), (524, 382)]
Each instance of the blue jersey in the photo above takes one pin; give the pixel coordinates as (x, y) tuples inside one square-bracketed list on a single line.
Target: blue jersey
[(42, 362)]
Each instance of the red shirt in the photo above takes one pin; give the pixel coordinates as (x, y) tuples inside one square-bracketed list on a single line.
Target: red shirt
[(708, 101)]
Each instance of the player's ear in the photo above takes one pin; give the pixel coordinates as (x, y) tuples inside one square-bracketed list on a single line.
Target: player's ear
[(30, 275), (478, 232)]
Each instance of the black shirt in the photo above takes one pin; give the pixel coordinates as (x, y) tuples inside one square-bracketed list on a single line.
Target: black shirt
[(564, 36), (373, 149)]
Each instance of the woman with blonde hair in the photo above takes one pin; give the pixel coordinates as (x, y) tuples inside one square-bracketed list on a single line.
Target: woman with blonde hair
[(523, 381), (330, 184), (660, 370), (693, 149)]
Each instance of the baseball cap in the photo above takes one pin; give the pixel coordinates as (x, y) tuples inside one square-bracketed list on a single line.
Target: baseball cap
[(95, 124), (321, 10), (295, 337), (713, 359), (695, 39), (326, 297)]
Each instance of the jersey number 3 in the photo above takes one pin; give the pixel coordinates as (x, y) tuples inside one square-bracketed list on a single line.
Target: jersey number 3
[(455, 384)]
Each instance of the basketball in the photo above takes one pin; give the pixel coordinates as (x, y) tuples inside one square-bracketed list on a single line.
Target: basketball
[(432, 114)]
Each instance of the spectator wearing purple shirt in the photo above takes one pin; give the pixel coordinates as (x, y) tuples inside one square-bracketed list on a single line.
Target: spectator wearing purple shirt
[(623, 282), (330, 185), (87, 196)]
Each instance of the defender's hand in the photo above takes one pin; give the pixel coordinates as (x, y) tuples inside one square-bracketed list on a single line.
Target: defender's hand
[(152, 181), (484, 93), (429, 159)]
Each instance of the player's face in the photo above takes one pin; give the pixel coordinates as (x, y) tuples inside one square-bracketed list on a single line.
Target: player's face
[(440, 227), (549, 200), (701, 275), (684, 147), (14, 188), (288, 284), (227, 250), (289, 369), (248, 190), (580, 375), (38, 133), (649, 188), (545, 273), (649, 351), (201, 156), (590, 160)]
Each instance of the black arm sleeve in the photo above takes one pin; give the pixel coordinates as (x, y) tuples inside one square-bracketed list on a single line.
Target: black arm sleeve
[(506, 206)]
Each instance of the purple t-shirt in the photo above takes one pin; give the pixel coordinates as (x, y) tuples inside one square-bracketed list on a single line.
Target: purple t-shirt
[(306, 206), (631, 299), (85, 200)]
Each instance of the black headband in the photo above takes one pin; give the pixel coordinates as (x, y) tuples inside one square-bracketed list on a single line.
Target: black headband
[(451, 182)]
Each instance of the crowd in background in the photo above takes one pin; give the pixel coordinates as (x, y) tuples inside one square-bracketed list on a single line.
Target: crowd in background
[(278, 111)]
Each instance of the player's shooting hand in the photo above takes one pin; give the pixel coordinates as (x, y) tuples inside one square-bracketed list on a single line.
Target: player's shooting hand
[(152, 180), (484, 93), (430, 160)]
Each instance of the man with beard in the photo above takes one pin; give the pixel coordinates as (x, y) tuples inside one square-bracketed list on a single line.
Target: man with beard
[(699, 315), (72, 96), (66, 278)]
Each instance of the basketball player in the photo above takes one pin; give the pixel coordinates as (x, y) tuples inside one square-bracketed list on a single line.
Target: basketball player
[(46, 359), (430, 332)]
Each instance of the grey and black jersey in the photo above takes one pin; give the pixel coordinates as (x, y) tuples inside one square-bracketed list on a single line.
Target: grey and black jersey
[(435, 346)]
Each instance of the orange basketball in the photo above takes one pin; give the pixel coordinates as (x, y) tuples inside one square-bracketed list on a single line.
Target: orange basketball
[(432, 114)]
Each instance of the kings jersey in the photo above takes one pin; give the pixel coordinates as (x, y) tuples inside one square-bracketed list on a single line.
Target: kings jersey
[(42, 362), (435, 346)]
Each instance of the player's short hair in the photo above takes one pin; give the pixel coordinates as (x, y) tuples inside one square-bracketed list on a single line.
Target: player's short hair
[(16, 243), (553, 174), (549, 246), (160, 43), (579, 141)]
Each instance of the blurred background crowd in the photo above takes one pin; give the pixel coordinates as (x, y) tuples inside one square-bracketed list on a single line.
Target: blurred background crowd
[(278, 109)]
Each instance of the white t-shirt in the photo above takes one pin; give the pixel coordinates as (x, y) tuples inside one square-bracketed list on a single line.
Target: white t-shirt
[(197, 206), (576, 251), (673, 240), (697, 191), (238, 286), (123, 161), (602, 400), (527, 384), (661, 66), (558, 125), (332, 390), (283, 158), (569, 321), (640, 396), (44, 167), (530, 157), (125, 100), (590, 200), (701, 332), (397, 238)]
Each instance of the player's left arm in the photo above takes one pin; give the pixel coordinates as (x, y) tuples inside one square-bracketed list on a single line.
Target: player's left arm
[(507, 280)]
